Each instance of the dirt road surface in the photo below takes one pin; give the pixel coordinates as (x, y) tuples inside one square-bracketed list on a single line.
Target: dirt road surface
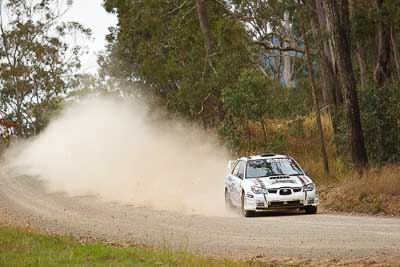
[(25, 200)]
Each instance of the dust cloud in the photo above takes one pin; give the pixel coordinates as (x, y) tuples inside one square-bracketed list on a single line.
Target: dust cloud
[(114, 149)]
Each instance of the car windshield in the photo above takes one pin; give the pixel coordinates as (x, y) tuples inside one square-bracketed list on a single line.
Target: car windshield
[(271, 167)]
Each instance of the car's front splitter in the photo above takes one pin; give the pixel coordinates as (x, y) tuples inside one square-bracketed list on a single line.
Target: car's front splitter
[(256, 202)]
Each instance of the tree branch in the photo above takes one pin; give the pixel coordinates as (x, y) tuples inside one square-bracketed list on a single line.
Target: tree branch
[(266, 46)]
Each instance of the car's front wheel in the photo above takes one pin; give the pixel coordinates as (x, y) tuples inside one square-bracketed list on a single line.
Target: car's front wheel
[(246, 213), (311, 210)]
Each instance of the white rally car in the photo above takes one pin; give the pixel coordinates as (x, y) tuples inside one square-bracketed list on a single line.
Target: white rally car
[(269, 182)]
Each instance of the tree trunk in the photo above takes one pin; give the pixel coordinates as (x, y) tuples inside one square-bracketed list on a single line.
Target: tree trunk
[(264, 129), (328, 77), (382, 68), (360, 51), (287, 57), (362, 63), (315, 98), (396, 57), (338, 29), (248, 132), (205, 26), (333, 94)]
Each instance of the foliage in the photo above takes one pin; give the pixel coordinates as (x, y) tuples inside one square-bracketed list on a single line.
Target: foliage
[(161, 44), (273, 25), (380, 117), (37, 65), (253, 87), (258, 99), (251, 98)]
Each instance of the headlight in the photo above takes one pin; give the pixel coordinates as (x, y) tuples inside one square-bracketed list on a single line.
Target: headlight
[(309, 187), (258, 190)]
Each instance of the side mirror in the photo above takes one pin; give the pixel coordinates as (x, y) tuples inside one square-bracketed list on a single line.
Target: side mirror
[(240, 175)]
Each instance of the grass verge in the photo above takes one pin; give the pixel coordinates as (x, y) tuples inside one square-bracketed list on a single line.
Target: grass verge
[(19, 247), (376, 191), (24, 248)]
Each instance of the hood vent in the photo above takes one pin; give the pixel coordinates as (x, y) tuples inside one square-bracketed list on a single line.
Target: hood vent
[(268, 155), (279, 177)]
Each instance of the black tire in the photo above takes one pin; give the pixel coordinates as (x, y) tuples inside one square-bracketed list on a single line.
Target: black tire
[(228, 203), (246, 213), (311, 209)]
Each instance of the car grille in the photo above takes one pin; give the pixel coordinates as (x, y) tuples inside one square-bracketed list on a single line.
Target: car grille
[(277, 204), (285, 191), (274, 191)]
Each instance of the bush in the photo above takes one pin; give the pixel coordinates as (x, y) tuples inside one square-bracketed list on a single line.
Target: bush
[(251, 108), (376, 191), (380, 115)]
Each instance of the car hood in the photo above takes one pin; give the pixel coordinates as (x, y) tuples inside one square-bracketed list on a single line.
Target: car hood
[(281, 181)]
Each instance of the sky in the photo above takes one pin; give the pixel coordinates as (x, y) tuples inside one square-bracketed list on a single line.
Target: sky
[(91, 14)]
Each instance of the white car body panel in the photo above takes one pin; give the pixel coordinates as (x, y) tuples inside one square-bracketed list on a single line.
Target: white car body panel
[(282, 191)]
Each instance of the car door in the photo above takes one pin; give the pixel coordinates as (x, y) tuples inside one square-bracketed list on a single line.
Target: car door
[(237, 177), (230, 182)]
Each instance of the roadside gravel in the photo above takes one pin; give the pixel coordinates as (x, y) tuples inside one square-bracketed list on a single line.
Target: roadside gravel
[(24, 201)]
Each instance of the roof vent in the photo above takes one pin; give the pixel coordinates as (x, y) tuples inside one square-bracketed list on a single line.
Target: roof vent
[(268, 155)]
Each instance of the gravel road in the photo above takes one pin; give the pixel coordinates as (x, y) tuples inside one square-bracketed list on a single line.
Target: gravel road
[(24, 200)]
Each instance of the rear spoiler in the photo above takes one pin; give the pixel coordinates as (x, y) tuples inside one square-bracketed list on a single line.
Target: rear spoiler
[(231, 164)]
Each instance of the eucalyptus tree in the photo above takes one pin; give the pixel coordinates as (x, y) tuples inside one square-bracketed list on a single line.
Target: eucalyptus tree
[(37, 64), (338, 23), (272, 26), (186, 52)]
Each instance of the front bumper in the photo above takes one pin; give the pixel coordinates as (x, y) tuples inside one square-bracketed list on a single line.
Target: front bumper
[(298, 200)]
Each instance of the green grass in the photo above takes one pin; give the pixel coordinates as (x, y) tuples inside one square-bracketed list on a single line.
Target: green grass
[(23, 248)]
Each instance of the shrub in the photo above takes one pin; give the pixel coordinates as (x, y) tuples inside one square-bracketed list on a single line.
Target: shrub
[(380, 114), (377, 190)]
